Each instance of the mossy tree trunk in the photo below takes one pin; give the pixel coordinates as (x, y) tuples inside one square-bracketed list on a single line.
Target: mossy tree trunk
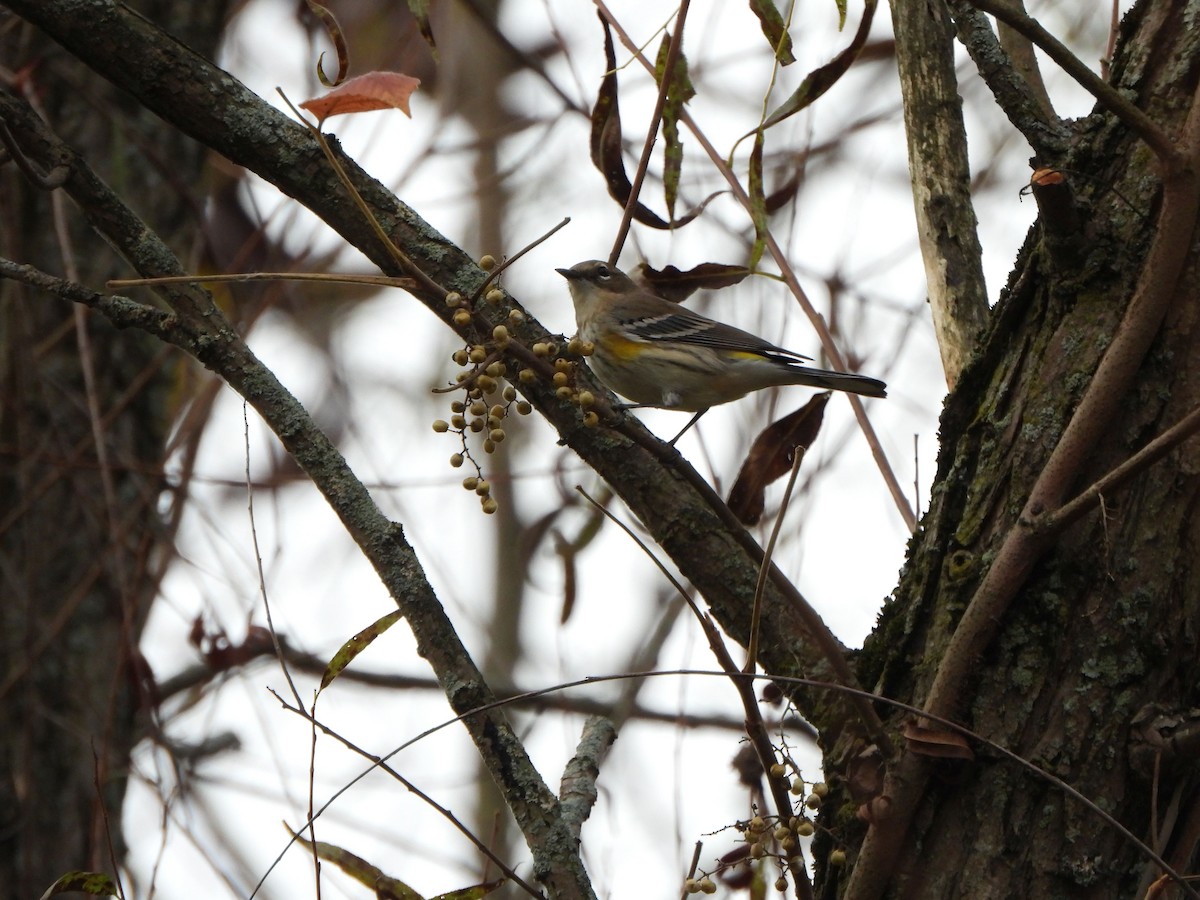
[(1097, 654)]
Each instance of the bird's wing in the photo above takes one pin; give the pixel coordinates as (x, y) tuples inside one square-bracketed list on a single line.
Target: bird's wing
[(690, 327)]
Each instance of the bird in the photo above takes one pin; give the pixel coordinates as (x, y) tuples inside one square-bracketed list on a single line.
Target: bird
[(659, 354)]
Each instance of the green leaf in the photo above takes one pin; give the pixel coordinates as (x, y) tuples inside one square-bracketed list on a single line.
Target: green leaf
[(357, 645), (385, 887), (758, 201), (679, 92), (95, 883), (608, 151), (775, 29), (822, 79)]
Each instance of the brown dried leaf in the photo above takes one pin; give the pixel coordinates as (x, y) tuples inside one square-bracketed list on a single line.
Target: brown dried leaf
[(672, 284), (936, 743), (375, 90), (338, 37), (771, 457), (607, 146), (864, 775)]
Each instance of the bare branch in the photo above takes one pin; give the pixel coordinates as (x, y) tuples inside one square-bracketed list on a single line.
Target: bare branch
[(941, 178)]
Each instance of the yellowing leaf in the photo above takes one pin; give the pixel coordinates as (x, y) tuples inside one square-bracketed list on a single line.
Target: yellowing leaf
[(357, 645), (375, 90)]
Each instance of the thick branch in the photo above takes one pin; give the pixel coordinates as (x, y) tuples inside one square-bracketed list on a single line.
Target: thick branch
[(1023, 106), (1110, 98), (941, 180), (1020, 50)]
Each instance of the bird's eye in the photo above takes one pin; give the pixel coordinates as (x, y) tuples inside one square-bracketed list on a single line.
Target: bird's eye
[(602, 271)]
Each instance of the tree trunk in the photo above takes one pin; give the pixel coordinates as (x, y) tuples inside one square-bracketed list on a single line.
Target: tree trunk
[(1099, 646), (81, 539)]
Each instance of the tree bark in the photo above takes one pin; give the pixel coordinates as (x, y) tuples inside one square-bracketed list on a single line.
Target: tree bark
[(81, 538), (1095, 658)]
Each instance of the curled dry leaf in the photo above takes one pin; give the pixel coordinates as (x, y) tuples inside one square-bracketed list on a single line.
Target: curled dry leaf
[(864, 775), (608, 148), (937, 743), (375, 90), (771, 457), (672, 284), (338, 37)]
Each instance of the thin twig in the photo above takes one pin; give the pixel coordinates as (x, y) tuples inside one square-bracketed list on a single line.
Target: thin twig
[(1053, 523), (1110, 48), (760, 740), (381, 764), (764, 568), (509, 260), (398, 256), (331, 277), (679, 588)]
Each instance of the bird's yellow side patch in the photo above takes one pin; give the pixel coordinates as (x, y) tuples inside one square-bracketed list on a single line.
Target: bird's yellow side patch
[(621, 347)]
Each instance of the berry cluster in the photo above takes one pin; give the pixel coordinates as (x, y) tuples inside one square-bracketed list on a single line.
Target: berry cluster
[(483, 378), (767, 838), (487, 405)]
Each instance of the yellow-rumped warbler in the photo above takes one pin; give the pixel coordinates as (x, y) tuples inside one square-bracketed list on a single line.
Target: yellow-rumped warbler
[(658, 353)]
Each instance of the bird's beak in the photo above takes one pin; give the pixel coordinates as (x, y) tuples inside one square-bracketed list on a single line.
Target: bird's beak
[(567, 274)]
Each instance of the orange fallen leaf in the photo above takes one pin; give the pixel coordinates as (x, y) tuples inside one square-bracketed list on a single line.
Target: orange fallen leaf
[(375, 90)]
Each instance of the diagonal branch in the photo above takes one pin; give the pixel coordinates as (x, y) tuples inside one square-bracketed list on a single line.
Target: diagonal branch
[(1014, 94)]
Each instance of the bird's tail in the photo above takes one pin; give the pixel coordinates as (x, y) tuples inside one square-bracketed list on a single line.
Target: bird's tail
[(839, 381)]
